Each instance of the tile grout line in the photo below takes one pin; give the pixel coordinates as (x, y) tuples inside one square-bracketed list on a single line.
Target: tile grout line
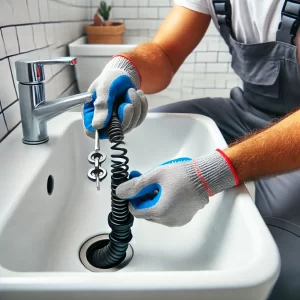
[(9, 56), (28, 8), (2, 112), (9, 105), (3, 44), (33, 37), (70, 5), (38, 2), (17, 39), (10, 131), (45, 22), (48, 45), (12, 77)]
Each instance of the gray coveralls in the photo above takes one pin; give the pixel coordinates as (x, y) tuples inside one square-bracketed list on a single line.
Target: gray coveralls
[(271, 89)]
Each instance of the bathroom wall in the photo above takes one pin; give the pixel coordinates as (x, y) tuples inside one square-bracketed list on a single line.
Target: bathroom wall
[(205, 73), (37, 29)]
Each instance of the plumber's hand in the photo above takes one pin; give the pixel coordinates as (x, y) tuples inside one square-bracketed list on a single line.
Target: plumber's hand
[(118, 80), (172, 193)]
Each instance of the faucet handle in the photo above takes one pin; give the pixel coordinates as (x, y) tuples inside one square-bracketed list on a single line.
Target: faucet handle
[(32, 71), (67, 60)]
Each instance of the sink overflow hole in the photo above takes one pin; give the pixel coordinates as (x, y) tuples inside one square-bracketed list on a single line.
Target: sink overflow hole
[(50, 184), (98, 242)]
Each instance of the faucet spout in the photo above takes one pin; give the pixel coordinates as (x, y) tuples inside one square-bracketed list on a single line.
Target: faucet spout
[(49, 109), (35, 110)]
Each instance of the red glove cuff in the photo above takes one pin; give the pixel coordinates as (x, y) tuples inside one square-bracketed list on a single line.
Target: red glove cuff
[(237, 181)]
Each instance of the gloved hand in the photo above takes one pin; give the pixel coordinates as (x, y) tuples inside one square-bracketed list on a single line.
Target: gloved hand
[(119, 80), (172, 193)]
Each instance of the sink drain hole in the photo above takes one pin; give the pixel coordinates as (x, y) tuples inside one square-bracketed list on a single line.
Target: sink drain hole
[(50, 185), (98, 242)]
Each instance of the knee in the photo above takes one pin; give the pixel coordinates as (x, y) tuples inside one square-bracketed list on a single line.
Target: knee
[(188, 107), (168, 108)]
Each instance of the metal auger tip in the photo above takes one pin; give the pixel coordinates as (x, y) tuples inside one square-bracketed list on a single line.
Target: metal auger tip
[(98, 182)]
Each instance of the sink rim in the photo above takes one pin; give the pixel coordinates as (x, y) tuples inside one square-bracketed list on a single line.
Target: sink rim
[(243, 277)]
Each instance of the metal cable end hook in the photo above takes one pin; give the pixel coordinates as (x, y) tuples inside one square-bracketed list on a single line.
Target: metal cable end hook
[(96, 158), (97, 162)]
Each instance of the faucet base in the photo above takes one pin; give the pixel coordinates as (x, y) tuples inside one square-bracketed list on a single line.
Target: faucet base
[(36, 142)]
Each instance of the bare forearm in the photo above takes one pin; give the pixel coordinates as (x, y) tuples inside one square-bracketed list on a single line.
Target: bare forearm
[(154, 66), (159, 60), (270, 152)]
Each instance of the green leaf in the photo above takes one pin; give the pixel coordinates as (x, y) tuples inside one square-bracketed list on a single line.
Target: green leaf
[(103, 5), (104, 10)]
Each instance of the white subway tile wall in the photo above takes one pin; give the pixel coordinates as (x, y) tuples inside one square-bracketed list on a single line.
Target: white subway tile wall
[(37, 29), (43, 28), (25, 37), (9, 35), (2, 48), (39, 35)]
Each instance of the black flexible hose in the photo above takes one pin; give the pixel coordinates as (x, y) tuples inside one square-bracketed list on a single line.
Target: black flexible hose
[(120, 219)]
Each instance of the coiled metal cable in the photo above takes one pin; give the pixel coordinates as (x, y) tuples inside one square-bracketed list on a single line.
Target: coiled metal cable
[(120, 219)]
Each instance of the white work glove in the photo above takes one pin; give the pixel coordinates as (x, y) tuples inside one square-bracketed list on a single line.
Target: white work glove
[(172, 193), (118, 81)]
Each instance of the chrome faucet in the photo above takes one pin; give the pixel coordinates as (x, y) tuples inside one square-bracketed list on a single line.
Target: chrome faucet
[(35, 110)]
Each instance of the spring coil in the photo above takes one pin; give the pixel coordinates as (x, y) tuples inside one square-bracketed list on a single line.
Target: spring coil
[(120, 219)]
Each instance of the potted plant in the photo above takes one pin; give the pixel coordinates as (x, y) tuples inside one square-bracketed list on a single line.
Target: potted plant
[(104, 31)]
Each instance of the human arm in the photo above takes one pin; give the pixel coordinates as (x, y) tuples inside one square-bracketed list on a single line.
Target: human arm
[(158, 60), (268, 152)]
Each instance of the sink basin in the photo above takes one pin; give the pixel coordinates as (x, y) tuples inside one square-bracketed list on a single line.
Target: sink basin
[(225, 252)]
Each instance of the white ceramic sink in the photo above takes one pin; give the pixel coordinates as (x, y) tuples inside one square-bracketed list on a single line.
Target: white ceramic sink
[(226, 252)]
